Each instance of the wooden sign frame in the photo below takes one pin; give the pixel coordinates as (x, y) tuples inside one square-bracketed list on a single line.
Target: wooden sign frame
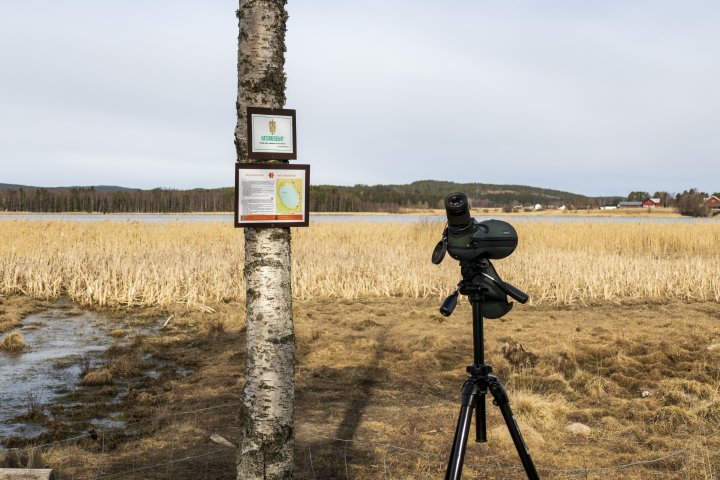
[(266, 174), (270, 153)]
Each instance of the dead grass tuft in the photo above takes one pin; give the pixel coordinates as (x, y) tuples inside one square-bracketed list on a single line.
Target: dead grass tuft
[(543, 412), (516, 354), (541, 384), (597, 387), (669, 419), (126, 363), (214, 327), (118, 333), (144, 398), (566, 364), (13, 342), (96, 378), (33, 406), (680, 391)]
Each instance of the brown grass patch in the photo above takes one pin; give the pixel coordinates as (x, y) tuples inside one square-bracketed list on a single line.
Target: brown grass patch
[(16, 307), (383, 375), (31, 458)]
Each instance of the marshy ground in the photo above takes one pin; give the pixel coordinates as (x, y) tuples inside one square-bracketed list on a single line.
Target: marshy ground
[(378, 384), (613, 368)]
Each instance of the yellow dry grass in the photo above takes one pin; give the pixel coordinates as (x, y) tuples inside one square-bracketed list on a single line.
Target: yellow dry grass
[(195, 264)]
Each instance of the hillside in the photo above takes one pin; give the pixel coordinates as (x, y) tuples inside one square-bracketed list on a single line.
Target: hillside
[(323, 198), (100, 188), (11, 186), (430, 194)]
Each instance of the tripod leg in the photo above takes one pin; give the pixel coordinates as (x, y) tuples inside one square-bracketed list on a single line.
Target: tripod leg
[(457, 454), (480, 419), (503, 402)]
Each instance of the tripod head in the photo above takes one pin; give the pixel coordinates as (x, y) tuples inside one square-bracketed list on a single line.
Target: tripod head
[(481, 282)]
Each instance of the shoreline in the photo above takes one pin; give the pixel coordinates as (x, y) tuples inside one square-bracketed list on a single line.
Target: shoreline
[(476, 212)]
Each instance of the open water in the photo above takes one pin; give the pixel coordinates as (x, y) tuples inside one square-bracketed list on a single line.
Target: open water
[(399, 218), (58, 340)]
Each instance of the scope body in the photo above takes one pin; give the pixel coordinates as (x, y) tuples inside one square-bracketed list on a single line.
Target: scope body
[(469, 239), (491, 239)]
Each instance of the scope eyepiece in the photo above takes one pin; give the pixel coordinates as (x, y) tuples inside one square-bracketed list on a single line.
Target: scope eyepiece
[(458, 210)]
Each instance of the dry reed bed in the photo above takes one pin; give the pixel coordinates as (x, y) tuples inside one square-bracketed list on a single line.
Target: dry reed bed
[(114, 264)]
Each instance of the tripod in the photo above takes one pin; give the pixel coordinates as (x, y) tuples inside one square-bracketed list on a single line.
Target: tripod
[(480, 381)]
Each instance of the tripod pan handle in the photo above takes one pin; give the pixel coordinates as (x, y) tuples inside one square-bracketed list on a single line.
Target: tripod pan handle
[(509, 290), (514, 292)]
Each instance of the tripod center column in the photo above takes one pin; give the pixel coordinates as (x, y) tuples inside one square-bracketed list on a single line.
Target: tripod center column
[(476, 300)]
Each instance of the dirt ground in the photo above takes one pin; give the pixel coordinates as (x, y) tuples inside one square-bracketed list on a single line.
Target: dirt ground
[(378, 388)]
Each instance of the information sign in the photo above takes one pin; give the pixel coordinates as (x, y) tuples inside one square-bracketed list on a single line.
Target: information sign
[(271, 134), (272, 195)]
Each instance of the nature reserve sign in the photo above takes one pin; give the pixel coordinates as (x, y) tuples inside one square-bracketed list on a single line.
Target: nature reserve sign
[(271, 195), (271, 134)]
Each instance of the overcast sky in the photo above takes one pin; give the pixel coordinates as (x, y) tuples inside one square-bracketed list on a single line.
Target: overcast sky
[(598, 98)]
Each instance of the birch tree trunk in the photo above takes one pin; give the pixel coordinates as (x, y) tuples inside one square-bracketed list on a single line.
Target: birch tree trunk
[(267, 436)]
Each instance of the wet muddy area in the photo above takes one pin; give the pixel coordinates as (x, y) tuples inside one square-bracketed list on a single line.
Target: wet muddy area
[(81, 371)]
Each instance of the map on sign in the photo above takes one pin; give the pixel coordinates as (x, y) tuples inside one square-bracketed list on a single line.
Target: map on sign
[(289, 196)]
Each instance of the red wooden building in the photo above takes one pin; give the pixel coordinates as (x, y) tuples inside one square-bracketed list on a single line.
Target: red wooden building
[(712, 202)]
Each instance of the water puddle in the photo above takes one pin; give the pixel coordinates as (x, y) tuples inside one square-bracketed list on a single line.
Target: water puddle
[(62, 342)]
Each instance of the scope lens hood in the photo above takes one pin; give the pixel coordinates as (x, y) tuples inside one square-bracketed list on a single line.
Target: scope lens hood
[(458, 210)]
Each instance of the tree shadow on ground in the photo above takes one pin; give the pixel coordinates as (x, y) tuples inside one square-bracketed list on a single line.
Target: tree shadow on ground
[(331, 392)]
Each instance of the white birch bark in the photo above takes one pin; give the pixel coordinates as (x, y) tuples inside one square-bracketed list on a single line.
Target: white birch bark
[(267, 436)]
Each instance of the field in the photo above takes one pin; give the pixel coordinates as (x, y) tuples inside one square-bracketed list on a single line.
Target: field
[(621, 336), (198, 265)]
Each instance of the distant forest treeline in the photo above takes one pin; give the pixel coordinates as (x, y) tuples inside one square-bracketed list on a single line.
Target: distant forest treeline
[(323, 198), (90, 199), (431, 193)]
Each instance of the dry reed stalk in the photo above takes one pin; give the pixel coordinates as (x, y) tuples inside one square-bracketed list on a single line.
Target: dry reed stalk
[(195, 264)]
